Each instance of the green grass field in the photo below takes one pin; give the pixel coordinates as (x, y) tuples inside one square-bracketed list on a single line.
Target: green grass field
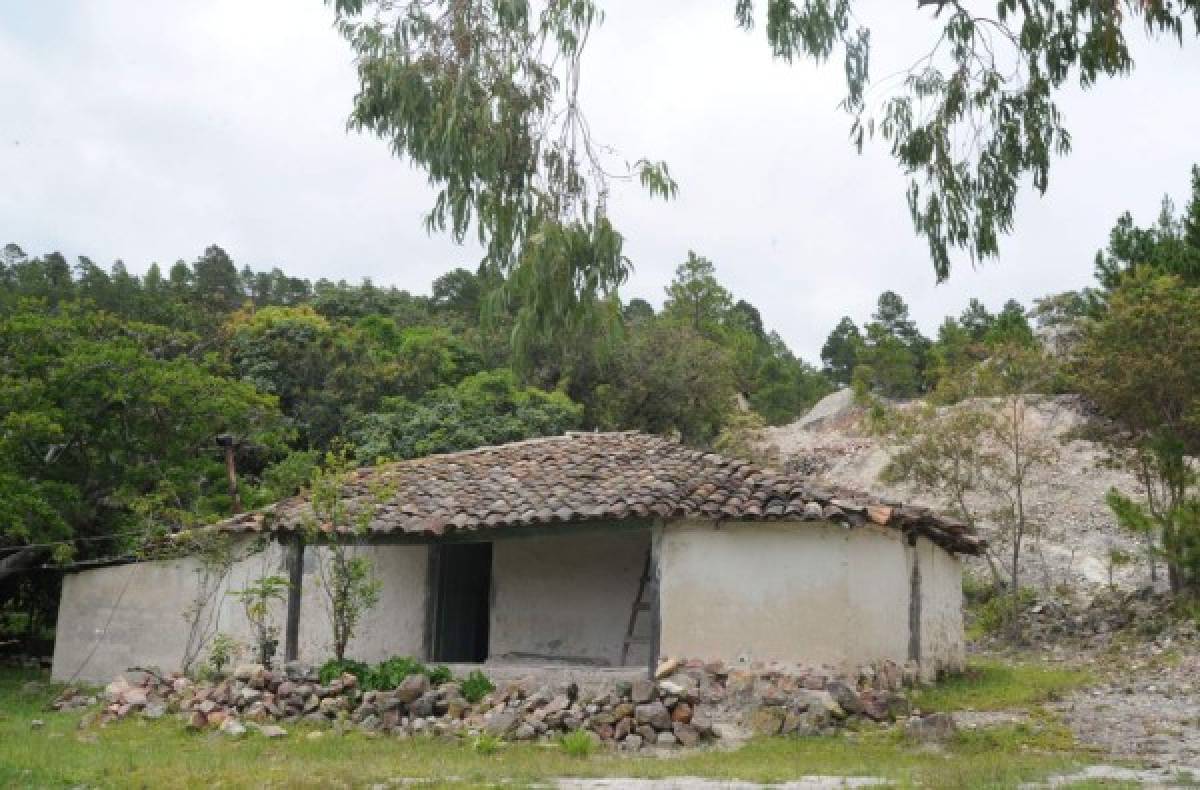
[(137, 753)]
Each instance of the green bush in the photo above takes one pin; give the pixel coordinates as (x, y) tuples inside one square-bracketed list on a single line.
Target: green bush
[(487, 744), (476, 686), (391, 673), (579, 743), (439, 674), (333, 669)]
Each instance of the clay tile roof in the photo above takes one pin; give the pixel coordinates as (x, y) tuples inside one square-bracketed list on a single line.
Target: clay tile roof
[(582, 477)]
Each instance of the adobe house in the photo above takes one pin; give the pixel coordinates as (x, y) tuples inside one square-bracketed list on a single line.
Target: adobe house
[(602, 550)]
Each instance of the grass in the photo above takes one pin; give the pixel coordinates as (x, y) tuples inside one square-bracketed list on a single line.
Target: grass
[(578, 744), (993, 685), (136, 753)]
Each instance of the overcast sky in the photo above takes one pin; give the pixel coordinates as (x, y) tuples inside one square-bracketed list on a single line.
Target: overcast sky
[(146, 131)]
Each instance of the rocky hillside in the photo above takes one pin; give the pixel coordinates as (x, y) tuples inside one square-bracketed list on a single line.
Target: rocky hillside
[(1065, 499)]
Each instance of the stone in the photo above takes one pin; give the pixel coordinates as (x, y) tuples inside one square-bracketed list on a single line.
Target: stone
[(500, 724), (411, 688), (846, 697), (682, 713), (559, 703), (665, 668), (767, 720), (370, 723), (632, 742), (654, 714), (272, 731), (154, 710), (217, 718), (250, 695), (244, 672), (197, 721), (524, 732), (622, 728), (649, 734), (423, 705), (136, 697), (37, 724), (641, 691), (933, 728), (315, 735), (671, 688), (686, 734), (233, 728), (623, 710)]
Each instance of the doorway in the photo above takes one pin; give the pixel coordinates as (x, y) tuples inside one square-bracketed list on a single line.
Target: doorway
[(462, 605)]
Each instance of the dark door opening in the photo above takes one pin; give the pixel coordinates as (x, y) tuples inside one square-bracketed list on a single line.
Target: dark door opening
[(462, 607)]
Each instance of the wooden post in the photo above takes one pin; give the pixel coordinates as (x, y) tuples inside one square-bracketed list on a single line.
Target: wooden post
[(226, 441), (295, 566), (655, 596)]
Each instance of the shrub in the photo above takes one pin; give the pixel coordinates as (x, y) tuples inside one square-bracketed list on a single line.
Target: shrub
[(439, 674), (578, 743), (334, 668), (476, 686), (487, 744), (391, 673)]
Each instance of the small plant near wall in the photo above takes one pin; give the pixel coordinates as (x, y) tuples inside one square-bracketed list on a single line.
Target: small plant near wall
[(476, 686), (221, 653), (347, 580), (257, 600)]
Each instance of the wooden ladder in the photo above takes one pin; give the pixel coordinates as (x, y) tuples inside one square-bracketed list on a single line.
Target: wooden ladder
[(639, 605)]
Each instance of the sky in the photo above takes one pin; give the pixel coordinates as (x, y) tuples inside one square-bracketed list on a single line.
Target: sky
[(147, 131)]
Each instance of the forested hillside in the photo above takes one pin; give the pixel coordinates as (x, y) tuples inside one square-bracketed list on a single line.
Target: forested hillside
[(115, 386)]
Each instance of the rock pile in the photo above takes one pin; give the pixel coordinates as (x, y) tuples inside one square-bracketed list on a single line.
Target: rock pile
[(688, 704)]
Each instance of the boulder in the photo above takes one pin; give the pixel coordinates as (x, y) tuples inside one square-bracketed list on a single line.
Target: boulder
[(654, 714), (245, 672), (767, 720), (846, 697), (641, 691), (686, 734), (933, 728), (412, 688)]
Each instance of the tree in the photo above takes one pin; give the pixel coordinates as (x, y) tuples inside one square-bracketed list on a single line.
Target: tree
[(1137, 363), (841, 350), (484, 409), (484, 97), (347, 579), (988, 444), (106, 431), (667, 378), (1170, 246), (696, 299)]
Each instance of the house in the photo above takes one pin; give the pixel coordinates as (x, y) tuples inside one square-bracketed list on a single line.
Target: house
[(591, 550)]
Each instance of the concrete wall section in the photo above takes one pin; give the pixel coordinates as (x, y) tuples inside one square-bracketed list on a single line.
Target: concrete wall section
[(566, 597), (755, 591), (941, 609), (877, 612), (114, 618)]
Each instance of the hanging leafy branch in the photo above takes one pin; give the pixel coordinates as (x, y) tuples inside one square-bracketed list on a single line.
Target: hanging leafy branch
[(484, 96)]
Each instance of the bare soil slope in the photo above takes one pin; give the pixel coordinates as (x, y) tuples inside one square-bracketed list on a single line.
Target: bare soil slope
[(1066, 500)]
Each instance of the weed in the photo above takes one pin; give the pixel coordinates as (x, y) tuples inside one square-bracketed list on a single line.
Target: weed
[(579, 743), (487, 744), (333, 669), (476, 686), (992, 685)]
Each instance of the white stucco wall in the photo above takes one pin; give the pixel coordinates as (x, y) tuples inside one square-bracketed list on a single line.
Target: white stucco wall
[(568, 596), (754, 592), (133, 615), (941, 608), (878, 574), (807, 594)]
